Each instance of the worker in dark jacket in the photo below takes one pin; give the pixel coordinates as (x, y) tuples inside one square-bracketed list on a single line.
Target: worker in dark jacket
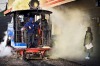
[(29, 26), (44, 28)]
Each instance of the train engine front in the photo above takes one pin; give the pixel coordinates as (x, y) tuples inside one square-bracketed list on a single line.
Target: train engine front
[(29, 32)]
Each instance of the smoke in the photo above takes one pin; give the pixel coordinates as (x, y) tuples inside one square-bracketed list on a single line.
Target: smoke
[(69, 27), (5, 50)]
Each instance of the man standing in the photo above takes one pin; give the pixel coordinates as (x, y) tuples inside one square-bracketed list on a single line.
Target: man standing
[(88, 42), (29, 26), (44, 27)]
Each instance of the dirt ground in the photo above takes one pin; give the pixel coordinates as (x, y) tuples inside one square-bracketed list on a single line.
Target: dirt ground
[(8, 61)]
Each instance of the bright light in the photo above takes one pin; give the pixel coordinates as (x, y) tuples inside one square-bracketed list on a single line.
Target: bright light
[(34, 4)]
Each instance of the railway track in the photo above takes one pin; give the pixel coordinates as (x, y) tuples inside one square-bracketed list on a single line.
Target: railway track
[(9, 61)]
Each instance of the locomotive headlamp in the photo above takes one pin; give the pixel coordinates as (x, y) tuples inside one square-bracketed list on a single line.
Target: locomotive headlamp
[(34, 4)]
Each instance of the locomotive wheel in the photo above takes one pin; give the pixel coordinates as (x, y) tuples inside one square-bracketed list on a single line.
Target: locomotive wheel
[(24, 56), (18, 55), (46, 55)]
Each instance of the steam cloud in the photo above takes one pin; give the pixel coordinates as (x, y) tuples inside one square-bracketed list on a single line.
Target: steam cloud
[(5, 50), (69, 27)]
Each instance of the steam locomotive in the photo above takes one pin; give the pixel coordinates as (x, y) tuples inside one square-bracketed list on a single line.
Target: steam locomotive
[(18, 39)]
